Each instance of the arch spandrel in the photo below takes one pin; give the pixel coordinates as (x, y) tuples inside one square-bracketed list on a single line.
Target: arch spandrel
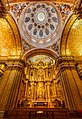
[(71, 43), (10, 41)]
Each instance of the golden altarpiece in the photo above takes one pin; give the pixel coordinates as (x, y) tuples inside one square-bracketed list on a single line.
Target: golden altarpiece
[(40, 88)]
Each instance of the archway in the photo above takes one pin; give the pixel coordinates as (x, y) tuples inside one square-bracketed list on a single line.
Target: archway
[(40, 51), (40, 81)]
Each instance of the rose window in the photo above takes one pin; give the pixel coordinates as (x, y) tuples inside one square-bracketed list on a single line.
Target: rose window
[(40, 24)]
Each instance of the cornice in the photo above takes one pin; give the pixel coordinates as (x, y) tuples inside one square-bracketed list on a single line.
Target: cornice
[(67, 62)]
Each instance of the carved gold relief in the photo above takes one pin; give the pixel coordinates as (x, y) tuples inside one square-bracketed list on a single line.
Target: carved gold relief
[(40, 87), (72, 37), (10, 44)]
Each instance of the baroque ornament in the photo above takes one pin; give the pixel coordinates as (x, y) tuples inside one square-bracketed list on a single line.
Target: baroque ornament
[(40, 24)]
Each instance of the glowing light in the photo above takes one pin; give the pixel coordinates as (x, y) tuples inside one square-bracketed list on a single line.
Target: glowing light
[(34, 40), (39, 111), (41, 41), (41, 16), (68, 52), (48, 40)]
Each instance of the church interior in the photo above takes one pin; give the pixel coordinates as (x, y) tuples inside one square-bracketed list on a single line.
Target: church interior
[(41, 59)]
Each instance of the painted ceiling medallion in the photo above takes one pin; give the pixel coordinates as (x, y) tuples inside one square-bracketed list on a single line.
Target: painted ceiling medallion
[(38, 22)]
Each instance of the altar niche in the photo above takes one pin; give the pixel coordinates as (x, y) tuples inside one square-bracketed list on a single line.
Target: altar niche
[(39, 88)]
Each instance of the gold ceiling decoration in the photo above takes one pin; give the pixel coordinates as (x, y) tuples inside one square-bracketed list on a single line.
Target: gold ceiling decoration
[(71, 44), (10, 43)]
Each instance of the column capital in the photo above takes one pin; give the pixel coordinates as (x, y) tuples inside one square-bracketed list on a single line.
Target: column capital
[(65, 62), (15, 64)]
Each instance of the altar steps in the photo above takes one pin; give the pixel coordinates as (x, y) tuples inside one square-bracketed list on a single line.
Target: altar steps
[(42, 114)]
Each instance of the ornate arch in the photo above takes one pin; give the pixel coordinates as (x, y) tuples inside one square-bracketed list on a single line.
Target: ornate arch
[(71, 38), (40, 51)]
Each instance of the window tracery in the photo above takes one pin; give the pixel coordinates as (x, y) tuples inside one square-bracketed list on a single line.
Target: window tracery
[(40, 24)]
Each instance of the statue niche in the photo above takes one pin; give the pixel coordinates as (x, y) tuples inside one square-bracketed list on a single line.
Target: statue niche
[(40, 84), (39, 88)]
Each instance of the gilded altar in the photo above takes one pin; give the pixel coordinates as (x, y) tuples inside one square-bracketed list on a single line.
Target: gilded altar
[(39, 87)]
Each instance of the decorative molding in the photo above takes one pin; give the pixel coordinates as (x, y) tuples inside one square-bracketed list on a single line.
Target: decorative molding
[(15, 65), (78, 8), (41, 25)]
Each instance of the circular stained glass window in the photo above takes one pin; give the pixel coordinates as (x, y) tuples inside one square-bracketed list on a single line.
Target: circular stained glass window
[(40, 24)]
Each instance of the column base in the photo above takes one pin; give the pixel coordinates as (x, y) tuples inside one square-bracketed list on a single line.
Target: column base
[(2, 114)]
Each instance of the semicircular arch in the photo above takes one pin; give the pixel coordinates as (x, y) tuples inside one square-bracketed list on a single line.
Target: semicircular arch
[(72, 37), (40, 51)]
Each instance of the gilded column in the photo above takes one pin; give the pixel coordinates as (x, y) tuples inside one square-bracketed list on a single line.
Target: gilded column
[(32, 91), (27, 71), (48, 90), (68, 76), (46, 73), (54, 89), (32, 94), (46, 93), (10, 84), (26, 87), (35, 91), (77, 74)]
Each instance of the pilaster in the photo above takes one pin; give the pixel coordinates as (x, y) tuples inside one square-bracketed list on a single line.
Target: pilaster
[(9, 86), (26, 87), (69, 78), (54, 89)]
